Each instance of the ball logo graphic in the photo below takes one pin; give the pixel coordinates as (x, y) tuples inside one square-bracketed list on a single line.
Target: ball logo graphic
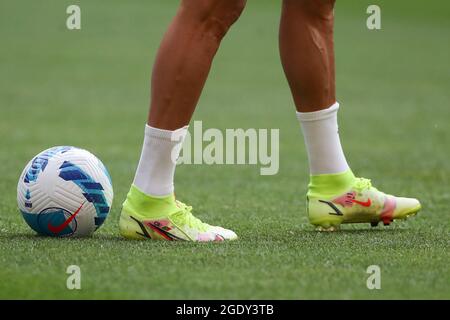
[(65, 191), (58, 221), (69, 220)]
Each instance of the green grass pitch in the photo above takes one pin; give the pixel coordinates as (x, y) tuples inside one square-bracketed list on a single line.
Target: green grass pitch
[(89, 88)]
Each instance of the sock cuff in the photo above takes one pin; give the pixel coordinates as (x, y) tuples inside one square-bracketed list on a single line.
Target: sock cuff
[(176, 135), (318, 115), (328, 185), (138, 202)]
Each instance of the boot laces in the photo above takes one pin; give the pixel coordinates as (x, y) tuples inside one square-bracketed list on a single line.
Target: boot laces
[(185, 217), (362, 184)]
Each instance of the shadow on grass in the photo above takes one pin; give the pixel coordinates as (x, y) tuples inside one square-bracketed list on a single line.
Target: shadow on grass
[(247, 238), (109, 240), (357, 231), (38, 237), (309, 235)]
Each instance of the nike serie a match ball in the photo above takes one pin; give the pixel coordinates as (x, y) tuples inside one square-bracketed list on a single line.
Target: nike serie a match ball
[(65, 191)]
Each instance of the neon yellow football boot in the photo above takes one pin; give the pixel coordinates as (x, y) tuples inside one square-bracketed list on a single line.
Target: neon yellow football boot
[(359, 203), (164, 218)]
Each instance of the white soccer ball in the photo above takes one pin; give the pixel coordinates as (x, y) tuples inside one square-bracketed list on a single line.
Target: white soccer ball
[(65, 191)]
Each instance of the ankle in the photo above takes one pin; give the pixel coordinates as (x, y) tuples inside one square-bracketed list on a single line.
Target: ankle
[(140, 203), (328, 185)]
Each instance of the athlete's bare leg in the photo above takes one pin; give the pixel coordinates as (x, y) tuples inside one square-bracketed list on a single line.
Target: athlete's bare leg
[(185, 56), (307, 52)]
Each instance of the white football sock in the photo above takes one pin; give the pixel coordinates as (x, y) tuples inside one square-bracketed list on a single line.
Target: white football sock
[(156, 169), (320, 130)]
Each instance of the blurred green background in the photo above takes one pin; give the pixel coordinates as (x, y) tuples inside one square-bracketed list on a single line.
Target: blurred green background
[(90, 88)]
